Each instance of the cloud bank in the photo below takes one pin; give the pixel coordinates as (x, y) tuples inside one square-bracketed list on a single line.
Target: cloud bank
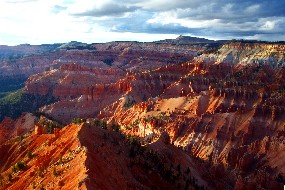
[(48, 21)]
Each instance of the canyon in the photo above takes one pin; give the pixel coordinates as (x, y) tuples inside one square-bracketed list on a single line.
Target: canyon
[(211, 111)]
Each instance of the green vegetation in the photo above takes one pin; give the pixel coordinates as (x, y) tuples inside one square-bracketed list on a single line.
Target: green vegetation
[(51, 125), (20, 165), (29, 154), (54, 171), (14, 170), (41, 187), (78, 120), (96, 122), (151, 160), (136, 122), (40, 172), (133, 140), (9, 85), (129, 102), (52, 161), (60, 160), (115, 127), (13, 97), (103, 124), (21, 138), (33, 185), (14, 104), (161, 116), (9, 177)]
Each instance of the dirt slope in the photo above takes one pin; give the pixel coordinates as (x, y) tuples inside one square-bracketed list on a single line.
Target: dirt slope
[(88, 157)]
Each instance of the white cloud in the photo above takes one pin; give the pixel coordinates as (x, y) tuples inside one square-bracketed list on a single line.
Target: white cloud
[(19, 1), (36, 24), (173, 18), (166, 5), (49, 21), (252, 8), (100, 8), (268, 25)]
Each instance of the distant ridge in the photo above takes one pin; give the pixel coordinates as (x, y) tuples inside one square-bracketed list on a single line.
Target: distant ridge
[(186, 40), (76, 45), (254, 41)]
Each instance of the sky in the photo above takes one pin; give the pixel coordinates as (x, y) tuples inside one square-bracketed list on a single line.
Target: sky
[(90, 21)]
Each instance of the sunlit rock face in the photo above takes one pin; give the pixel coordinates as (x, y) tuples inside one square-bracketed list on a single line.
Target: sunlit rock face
[(10, 128), (225, 108)]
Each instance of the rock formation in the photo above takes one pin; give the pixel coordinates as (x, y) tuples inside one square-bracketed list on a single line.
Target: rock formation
[(11, 128), (223, 109), (88, 157)]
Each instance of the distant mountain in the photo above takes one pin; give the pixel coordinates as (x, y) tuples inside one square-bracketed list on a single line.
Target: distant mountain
[(12, 53), (23, 50), (76, 45), (186, 40)]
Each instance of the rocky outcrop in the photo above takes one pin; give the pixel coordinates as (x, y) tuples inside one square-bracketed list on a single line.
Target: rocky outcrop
[(70, 81), (10, 128), (132, 56), (242, 54), (6, 127), (219, 114), (84, 156), (26, 66), (224, 109)]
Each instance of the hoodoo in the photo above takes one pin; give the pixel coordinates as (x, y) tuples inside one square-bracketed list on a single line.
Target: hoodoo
[(159, 115)]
